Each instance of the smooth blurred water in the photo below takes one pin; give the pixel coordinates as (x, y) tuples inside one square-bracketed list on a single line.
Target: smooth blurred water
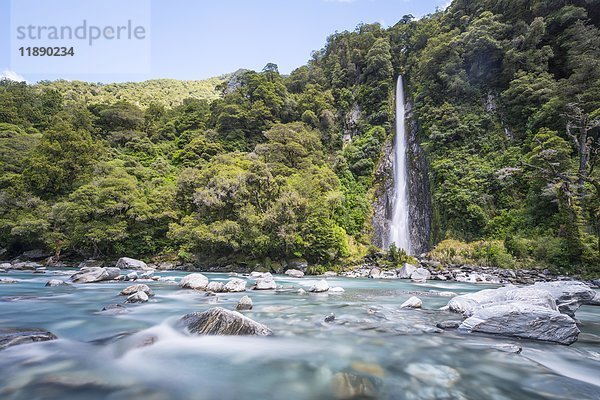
[(142, 354)]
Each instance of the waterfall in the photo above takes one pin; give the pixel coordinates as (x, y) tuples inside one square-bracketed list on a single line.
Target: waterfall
[(400, 224)]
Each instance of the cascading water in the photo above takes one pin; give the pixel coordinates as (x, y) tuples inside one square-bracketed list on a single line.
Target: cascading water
[(400, 225)]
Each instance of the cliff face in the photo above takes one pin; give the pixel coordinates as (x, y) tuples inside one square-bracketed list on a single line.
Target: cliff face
[(418, 186), (383, 196), (419, 196)]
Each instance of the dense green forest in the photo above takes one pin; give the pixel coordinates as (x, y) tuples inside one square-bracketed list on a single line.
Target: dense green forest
[(262, 166)]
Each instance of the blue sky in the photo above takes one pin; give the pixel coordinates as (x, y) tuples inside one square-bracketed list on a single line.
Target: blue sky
[(199, 39)]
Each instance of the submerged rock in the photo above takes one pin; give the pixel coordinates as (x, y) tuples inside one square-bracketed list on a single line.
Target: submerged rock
[(56, 282), (345, 385), (194, 281), (569, 295), (15, 336), (294, 273), (452, 324), (131, 263), (244, 304), (524, 320), (219, 321), (235, 285), (114, 309), (128, 291), (138, 297), (437, 375), (8, 280), (320, 287), (413, 302), (95, 274), (330, 318), (420, 275)]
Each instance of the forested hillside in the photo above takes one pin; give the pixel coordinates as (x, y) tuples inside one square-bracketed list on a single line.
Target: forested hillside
[(506, 94)]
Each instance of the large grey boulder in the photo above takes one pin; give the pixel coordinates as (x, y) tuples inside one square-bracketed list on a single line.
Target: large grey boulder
[(413, 302), (466, 304), (523, 320), (320, 287), (235, 285), (215, 287), (95, 274), (265, 283), (129, 290), (219, 321), (194, 281), (420, 275), (138, 297), (406, 271), (14, 336), (56, 282), (569, 295), (131, 263)]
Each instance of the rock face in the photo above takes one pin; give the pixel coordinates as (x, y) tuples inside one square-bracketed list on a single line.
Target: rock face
[(420, 275), (413, 302), (235, 285), (194, 281), (406, 271), (595, 301), (138, 297), (131, 263), (384, 192), (523, 320), (297, 263), (14, 336), (569, 295), (219, 321), (245, 303), (265, 283), (320, 287), (294, 273), (128, 291), (95, 274)]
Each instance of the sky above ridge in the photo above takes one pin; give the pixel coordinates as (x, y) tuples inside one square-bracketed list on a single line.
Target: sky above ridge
[(200, 39)]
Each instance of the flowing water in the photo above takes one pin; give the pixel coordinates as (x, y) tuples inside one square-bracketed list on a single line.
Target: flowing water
[(399, 227), (144, 354)]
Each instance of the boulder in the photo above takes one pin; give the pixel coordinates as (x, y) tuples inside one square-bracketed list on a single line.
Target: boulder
[(132, 276), (56, 282), (298, 263), (420, 275), (320, 287), (235, 285), (5, 266), (330, 318), (523, 320), (138, 297), (194, 281), (330, 274), (375, 273), (131, 263), (301, 291), (569, 295), (166, 266), (35, 255), (265, 283), (389, 274), (452, 324), (95, 274), (336, 289), (294, 273), (468, 303), (129, 290), (215, 287), (258, 274), (413, 302), (595, 301), (14, 336), (25, 266), (219, 321), (406, 271), (245, 303)]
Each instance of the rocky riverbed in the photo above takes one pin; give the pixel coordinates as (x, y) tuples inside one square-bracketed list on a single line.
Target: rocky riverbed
[(103, 331)]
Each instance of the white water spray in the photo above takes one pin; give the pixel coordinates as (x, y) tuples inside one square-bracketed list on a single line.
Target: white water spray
[(399, 227)]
